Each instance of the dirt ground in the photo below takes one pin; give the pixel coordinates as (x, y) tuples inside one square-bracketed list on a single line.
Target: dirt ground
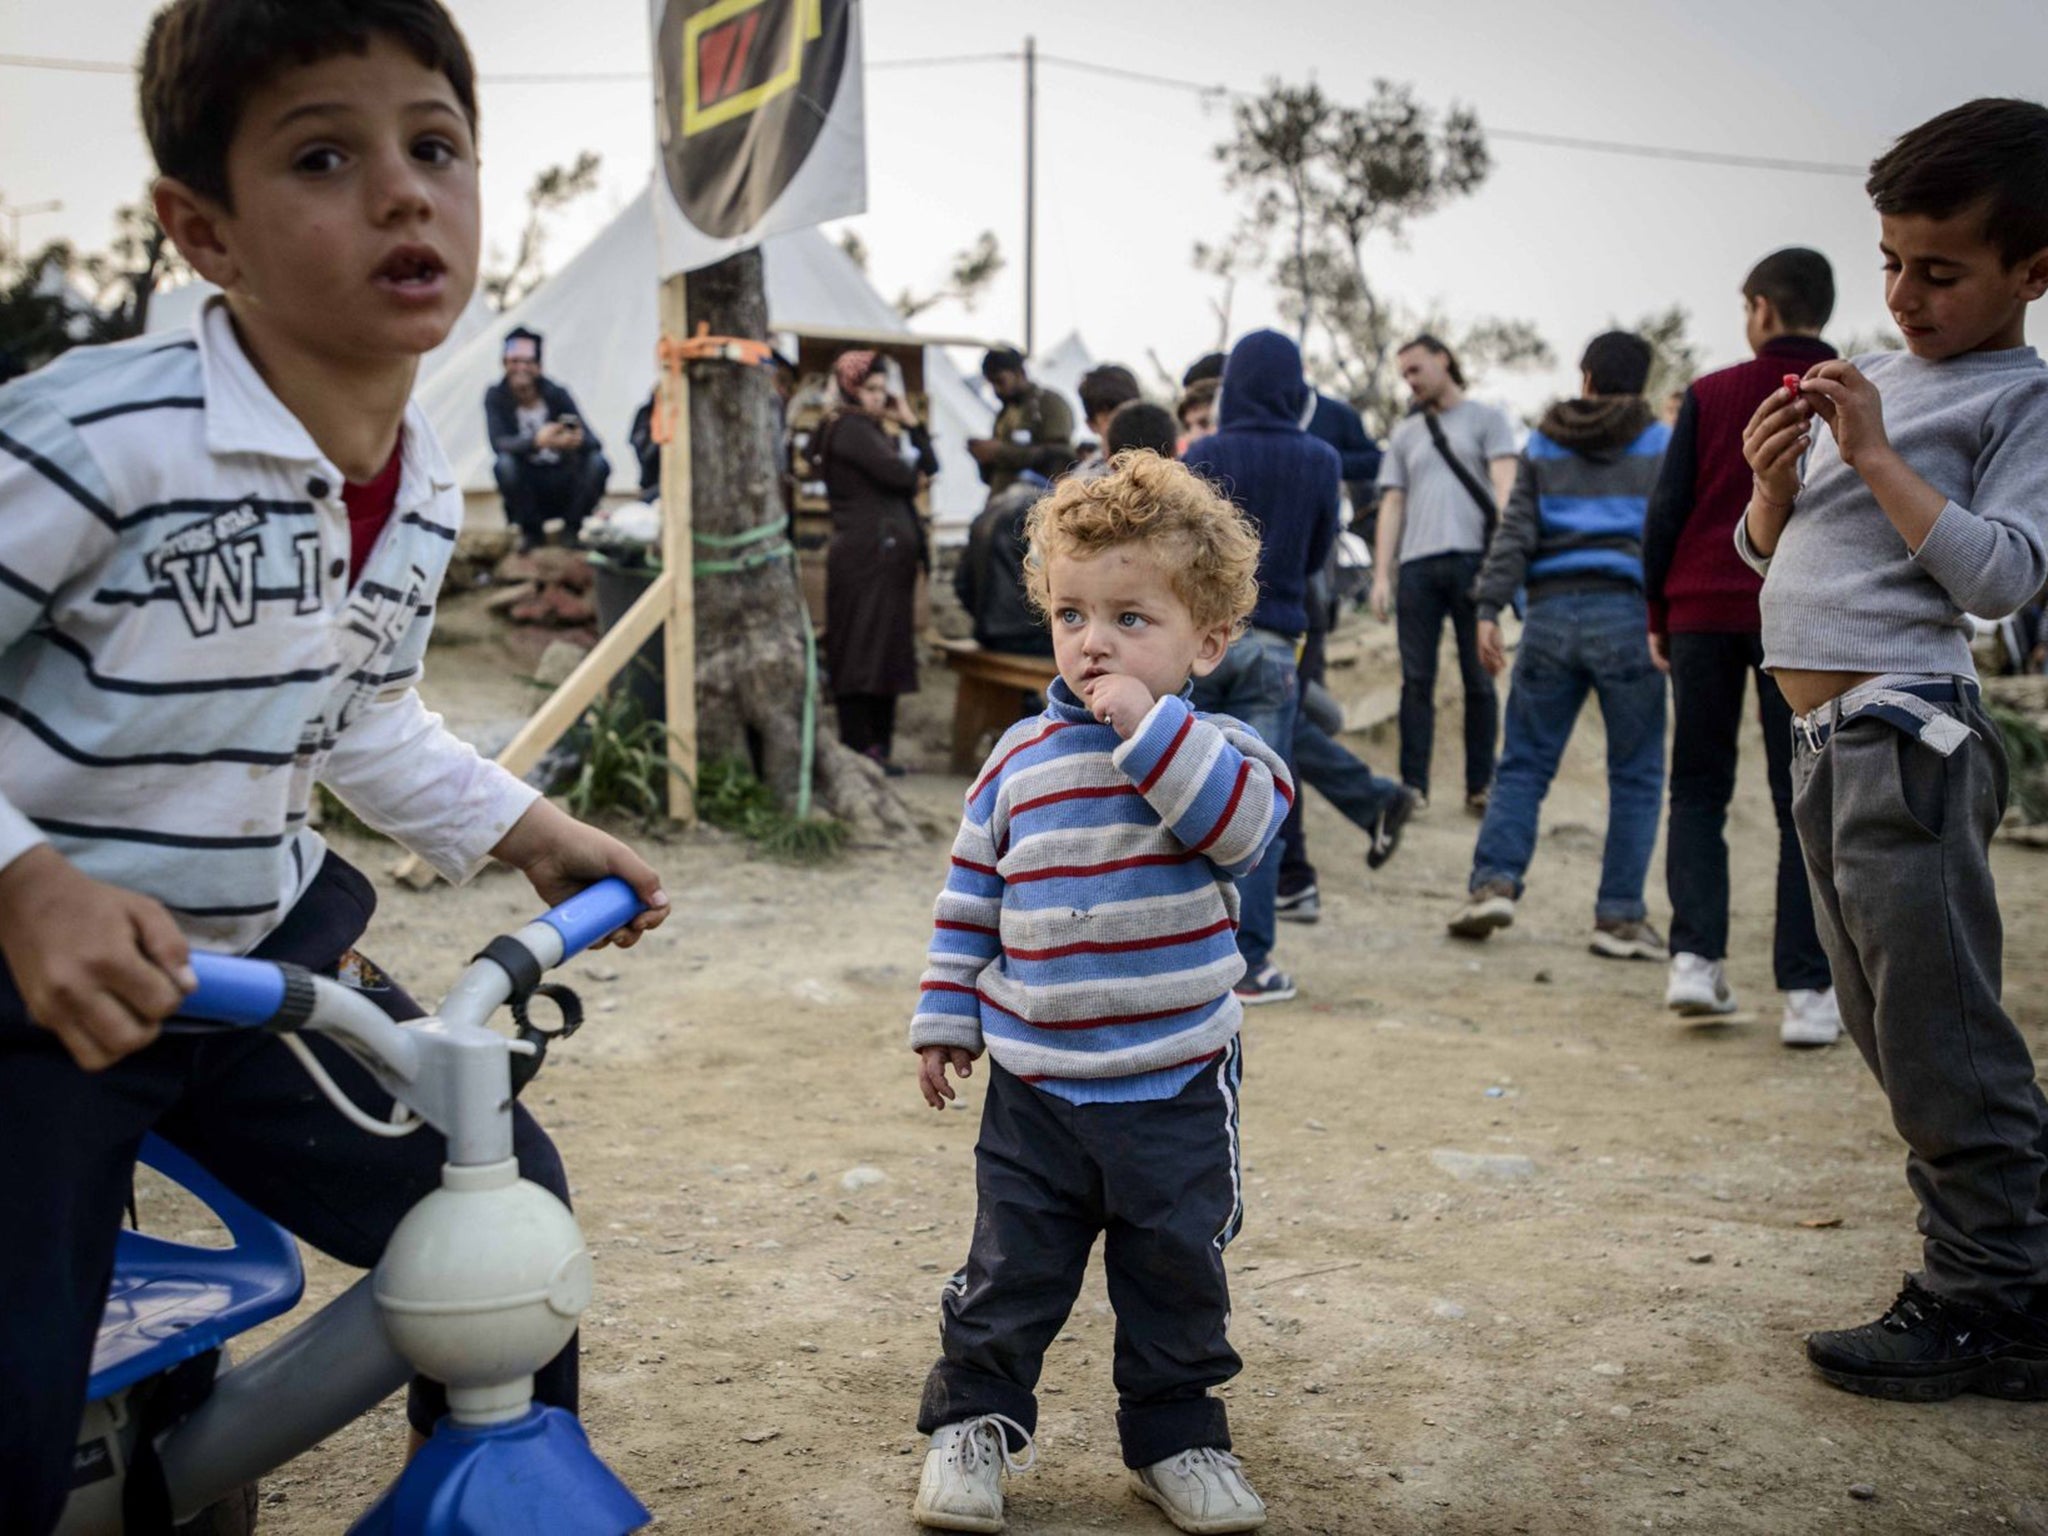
[(1522, 1253)]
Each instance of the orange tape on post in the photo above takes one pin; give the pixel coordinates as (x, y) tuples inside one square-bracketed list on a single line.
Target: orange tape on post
[(670, 354)]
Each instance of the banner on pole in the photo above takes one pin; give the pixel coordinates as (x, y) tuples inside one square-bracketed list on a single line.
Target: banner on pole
[(758, 122)]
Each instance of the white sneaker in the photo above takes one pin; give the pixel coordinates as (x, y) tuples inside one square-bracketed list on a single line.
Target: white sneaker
[(1698, 987), (1202, 1490), (1811, 1018), (962, 1485)]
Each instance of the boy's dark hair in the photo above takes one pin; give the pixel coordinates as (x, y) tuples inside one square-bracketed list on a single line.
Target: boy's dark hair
[(1105, 388), (1993, 150), (1617, 363), (1001, 360), (1141, 424), (204, 58), (1800, 285), (1442, 349), (1208, 366)]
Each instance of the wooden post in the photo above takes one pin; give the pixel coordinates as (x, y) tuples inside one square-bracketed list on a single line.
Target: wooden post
[(678, 559)]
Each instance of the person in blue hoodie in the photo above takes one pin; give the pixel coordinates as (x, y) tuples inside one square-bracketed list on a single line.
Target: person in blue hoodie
[(1572, 532), (1288, 484)]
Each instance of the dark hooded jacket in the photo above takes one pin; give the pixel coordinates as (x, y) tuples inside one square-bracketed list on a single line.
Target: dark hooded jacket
[(1575, 520), (1285, 481)]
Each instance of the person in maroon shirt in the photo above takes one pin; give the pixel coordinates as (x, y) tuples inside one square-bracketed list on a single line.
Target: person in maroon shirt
[(1705, 630)]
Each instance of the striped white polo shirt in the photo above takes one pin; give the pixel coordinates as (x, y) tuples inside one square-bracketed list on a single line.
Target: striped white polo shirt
[(181, 654)]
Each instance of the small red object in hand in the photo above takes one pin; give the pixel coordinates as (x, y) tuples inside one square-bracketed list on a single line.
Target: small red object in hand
[(1792, 385)]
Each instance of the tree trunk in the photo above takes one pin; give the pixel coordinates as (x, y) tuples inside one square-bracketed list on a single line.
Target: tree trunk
[(750, 636)]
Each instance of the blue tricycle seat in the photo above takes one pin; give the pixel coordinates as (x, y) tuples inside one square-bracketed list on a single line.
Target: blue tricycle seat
[(171, 1301)]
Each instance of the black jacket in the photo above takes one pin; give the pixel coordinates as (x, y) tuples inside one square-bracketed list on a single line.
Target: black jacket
[(501, 418), (989, 580)]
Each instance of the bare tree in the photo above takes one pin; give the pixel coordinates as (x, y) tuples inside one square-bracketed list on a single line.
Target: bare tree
[(1336, 179), (1228, 261), (61, 296), (126, 276), (553, 190), (967, 280), (1277, 154), (856, 248)]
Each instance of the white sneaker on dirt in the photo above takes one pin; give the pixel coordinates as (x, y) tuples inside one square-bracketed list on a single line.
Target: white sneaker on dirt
[(1811, 1018), (1698, 987), (1202, 1490), (962, 1485)]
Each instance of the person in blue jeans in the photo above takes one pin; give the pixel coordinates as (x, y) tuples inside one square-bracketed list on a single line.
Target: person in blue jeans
[(1288, 484), (1572, 533)]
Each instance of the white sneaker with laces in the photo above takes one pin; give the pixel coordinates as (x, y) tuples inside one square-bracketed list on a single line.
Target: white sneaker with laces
[(1811, 1018), (962, 1485), (1202, 1490), (1698, 987)]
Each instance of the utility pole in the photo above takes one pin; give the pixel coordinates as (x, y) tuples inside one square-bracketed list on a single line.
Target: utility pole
[(1030, 186), (15, 214)]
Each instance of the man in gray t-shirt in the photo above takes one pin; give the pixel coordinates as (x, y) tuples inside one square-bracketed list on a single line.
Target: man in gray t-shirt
[(1432, 538)]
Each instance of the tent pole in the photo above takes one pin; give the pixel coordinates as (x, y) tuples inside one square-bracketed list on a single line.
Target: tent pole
[(679, 652), (1030, 187)]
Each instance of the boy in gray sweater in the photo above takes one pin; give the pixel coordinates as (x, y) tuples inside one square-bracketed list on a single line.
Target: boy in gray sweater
[(1924, 501)]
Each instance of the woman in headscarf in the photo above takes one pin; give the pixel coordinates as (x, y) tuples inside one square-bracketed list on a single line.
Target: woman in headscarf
[(876, 551)]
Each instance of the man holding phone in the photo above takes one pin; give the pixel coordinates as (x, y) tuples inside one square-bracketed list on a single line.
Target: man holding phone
[(550, 465)]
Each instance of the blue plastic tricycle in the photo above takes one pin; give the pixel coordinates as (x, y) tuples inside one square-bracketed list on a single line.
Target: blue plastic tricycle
[(482, 1282)]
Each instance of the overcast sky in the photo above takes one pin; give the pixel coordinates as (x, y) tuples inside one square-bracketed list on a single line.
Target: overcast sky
[(1127, 177)]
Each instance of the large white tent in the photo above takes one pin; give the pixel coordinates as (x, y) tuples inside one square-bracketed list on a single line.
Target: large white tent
[(599, 323), (598, 318)]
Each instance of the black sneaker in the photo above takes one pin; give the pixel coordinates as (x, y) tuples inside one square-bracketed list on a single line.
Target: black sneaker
[(1304, 905), (1386, 828), (1928, 1348)]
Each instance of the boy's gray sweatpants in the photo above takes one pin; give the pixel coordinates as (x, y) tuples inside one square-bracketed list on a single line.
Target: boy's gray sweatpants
[(1897, 845)]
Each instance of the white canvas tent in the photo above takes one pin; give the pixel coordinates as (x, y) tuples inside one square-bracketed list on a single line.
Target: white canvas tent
[(598, 320), (597, 317)]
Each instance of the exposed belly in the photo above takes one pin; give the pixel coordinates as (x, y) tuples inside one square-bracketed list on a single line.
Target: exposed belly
[(1806, 691)]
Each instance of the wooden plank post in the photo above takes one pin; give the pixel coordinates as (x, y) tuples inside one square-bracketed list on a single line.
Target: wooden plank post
[(678, 561)]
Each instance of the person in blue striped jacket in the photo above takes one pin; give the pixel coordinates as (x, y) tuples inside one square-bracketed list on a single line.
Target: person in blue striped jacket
[(1572, 533), (1086, 940)]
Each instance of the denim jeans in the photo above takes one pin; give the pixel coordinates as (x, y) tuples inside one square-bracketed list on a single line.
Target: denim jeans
[(1257, 684), (1709, 674), (1427, 592), (569, 488), (1323, 763), (1573, 644), (1329, 767)]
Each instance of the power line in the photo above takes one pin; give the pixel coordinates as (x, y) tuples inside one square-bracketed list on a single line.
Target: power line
[(78, 66), (1513, 135), (1210, 91)]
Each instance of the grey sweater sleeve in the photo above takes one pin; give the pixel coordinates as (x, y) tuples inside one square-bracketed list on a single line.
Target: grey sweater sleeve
[(1514, 541), (1991, 557)]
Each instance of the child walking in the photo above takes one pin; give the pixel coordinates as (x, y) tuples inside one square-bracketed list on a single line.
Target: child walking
[(1925, 500), (1086, 938)]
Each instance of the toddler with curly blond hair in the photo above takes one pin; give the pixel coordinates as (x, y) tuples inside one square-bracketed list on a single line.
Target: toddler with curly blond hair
[(1086, 939)]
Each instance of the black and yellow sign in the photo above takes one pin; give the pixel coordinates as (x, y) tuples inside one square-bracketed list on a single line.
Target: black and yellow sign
[(751, 93)]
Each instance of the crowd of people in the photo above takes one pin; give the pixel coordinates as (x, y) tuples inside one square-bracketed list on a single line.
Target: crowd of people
[(220, 554), (1609, 532), (1816, 528)]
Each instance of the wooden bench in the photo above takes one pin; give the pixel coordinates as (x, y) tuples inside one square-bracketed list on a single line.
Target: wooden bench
[(993, 686)]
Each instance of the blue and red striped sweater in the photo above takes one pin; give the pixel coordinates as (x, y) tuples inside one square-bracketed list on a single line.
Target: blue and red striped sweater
[(1087, 934)]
